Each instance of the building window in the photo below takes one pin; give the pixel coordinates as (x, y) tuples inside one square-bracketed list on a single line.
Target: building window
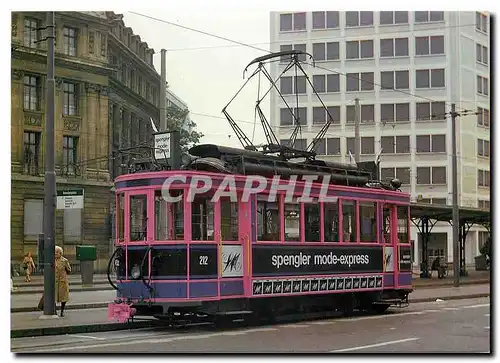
[(70, 99), (358, 18), (482, 54), (367, 145), (289, 47), (32, 93), (320, 115), (483, 178), (31, 152), (321, 147), (482, 22), (332, 51), (332, 83), (333, 146), (139, 85), (325, 19), (360, 81), (359, 49), (397, 47), (429, 45), (287, 119), (403, 174), (482, 85), (431, 175), (31, 32), (367, 113), (395, 80), (393, 17), (103, 45), (33, 217), (70, 144), (441, 201), (483, 117), (289, 22), (428, 16), (431, 111), (395, 112), (431, 143), (483, 204), (69, 41), (395, 144), (292, 85), (429, 78), (483, 148)]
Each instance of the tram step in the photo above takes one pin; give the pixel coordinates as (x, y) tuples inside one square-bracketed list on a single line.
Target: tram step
[(242, 312)]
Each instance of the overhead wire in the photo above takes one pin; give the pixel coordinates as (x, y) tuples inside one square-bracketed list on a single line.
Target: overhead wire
[(268, 51)]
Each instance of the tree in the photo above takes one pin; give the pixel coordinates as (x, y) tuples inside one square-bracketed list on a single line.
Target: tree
[(177, 119)]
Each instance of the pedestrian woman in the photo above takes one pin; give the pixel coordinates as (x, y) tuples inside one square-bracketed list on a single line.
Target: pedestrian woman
[(28, 266), (62, 268)]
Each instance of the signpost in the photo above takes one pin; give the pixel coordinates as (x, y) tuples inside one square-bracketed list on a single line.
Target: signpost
[(167, 148), (70, 199)]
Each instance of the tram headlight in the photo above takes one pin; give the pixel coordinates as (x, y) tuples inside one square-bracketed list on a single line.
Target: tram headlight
[(136, 272)]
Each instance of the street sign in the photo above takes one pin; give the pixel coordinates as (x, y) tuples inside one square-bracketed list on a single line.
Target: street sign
[(70, 199), (162, 145)]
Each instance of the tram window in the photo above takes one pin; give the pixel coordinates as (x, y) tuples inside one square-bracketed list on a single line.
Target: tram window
[(349, 221), (120, 216), (202, 218), (386, 225), (403, 236), (138, 217), (331, 221), (312, 221), (292, 221), (368, 222), (268, 220), (228, 219), (169, 217)]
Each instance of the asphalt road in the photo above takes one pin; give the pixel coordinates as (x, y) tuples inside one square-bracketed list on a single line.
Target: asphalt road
[(460, 326)]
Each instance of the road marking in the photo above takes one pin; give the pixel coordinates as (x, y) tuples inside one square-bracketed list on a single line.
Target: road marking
[(432, 311), (452, 309), (374, 345), (87, 336), (475, 306), (487, 327), (487, 315), (256, 330), (295, 326)]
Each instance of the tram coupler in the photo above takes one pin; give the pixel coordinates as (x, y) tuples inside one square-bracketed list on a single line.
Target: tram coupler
[(120, 312)]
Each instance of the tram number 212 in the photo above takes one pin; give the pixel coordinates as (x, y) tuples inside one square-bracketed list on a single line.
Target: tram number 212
[(203, 260)]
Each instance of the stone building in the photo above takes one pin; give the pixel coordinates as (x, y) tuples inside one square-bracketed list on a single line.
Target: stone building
[(96, 56)]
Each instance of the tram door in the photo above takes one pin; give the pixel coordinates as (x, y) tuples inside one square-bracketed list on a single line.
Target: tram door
[(388, 237)]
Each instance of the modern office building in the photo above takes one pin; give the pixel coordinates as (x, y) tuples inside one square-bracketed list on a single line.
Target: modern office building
[(406, 69)]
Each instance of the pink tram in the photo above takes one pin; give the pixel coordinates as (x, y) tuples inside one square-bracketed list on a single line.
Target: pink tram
[(340, 242), (248, 253)]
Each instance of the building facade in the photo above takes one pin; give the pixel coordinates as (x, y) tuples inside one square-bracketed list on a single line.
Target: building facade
[(406, 68), (89, 93)]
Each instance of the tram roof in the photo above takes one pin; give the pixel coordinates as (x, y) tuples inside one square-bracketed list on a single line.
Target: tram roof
[(444, 213)]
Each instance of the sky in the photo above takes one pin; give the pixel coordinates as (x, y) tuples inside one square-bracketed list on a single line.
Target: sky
[(206, 72)]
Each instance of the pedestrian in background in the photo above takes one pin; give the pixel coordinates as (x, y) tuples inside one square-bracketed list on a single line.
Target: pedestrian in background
[(62, 269), (28, 266)]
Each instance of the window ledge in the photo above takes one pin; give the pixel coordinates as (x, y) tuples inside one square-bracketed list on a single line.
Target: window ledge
[(395, 122), (430, 88), (428, 22), (293, 31), (429, 55), (327, 60), (359, 26), (319, 29), (393, 24), (360, 59), (389, 57)]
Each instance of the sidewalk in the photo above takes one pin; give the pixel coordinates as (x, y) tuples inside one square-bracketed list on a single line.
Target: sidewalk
[(91, 320)]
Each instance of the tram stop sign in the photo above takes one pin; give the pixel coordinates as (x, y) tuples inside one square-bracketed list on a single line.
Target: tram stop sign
[(167, 147)]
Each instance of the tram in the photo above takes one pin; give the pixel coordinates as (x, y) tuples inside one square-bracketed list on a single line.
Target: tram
[(249, 232)]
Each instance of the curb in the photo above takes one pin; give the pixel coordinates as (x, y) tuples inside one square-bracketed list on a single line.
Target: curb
[(446, 298), (462, 283), (92, 328), (29, 309), (78, 289), (78, 329)]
